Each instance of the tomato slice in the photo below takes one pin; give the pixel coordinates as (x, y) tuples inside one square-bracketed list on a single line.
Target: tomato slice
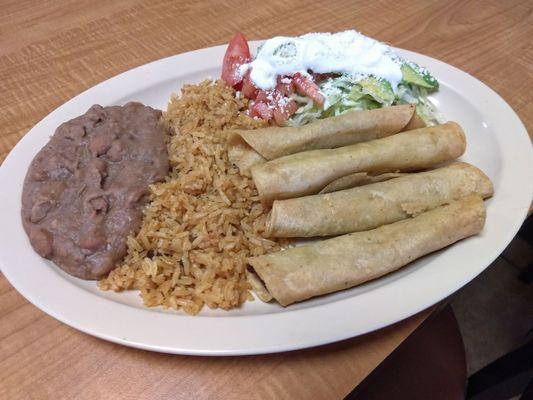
[(262, 110), (237, 54), (307, 87), (263, 96), (248, 89), (285, 86), (291, 107), (282, 112)]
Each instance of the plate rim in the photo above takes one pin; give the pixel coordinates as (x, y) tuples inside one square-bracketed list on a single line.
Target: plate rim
[(280, 341)]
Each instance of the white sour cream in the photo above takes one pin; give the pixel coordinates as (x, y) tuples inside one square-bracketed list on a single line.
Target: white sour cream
[(347, 52)]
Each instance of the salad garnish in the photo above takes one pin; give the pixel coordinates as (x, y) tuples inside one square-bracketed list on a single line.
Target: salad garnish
[(295, 80)]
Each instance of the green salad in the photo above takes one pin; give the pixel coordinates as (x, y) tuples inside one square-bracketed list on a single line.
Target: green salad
[(295, 80), (344, 93)]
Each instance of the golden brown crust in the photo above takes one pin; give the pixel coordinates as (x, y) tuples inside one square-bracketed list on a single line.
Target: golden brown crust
[(370, 206), (252, 147), (330, 265), (309, 172), (359, 179), (415, 123)]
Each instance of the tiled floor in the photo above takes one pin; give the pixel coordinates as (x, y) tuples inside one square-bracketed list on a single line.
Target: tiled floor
[(495, 310)]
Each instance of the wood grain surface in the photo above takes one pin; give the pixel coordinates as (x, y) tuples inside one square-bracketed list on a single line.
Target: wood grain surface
[(51, 51)]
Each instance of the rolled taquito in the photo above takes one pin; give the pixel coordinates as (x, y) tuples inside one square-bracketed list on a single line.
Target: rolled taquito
[(367, 207), (327, 266), (308, 172), (359, 179), (251, 147), (415, 123)]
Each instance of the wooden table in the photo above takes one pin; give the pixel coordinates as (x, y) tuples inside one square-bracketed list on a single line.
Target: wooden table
[(50, 51)]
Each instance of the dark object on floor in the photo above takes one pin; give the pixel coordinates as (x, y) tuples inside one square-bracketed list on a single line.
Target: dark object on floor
[(526, 275), (506, 377), (528, 392), (512, 373), (429, 364), (526, 232)]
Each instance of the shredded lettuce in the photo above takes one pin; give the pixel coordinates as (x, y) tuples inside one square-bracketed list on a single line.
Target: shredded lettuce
[(344, 93), (410, 93)]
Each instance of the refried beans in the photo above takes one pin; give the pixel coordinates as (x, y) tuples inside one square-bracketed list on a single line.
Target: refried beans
[(85, 190)]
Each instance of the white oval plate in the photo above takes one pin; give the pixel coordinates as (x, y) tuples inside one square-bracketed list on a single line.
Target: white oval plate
[(497, 143)]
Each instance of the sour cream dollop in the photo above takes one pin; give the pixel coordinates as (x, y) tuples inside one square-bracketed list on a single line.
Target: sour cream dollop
[(348, 52)]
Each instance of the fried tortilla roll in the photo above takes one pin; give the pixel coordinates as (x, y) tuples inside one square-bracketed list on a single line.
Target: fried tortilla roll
[(359, 179), (308, 172), (243, 156), (330, 265), (370, 206), (250, 147), (416, 123)]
